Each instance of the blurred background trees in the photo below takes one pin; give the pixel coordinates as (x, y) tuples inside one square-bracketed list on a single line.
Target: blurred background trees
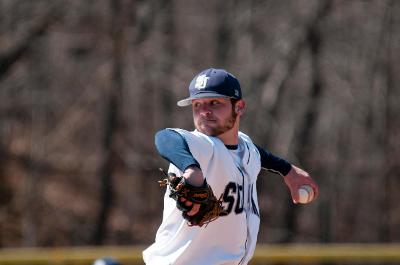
[(84, 85)]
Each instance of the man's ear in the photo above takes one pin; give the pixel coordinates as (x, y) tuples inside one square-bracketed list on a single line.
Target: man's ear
[(240, 106)]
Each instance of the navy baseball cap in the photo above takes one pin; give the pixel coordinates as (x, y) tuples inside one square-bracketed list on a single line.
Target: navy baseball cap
[(212, 83)]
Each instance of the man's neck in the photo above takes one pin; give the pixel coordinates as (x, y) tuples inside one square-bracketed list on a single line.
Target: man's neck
[(230, 137), (228, 140)]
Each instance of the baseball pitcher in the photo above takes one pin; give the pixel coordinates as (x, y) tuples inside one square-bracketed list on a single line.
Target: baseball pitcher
[(211, 214)]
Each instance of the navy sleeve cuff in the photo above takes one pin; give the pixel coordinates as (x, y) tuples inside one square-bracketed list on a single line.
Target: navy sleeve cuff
[(274, 163), (174, 148)]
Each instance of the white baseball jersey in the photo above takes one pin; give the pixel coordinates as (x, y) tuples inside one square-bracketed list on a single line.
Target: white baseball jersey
[(231, 239)]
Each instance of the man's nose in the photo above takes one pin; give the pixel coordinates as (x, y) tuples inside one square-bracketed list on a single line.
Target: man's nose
[(205, 111)]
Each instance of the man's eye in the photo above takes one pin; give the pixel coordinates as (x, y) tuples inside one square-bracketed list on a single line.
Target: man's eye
[(214, 102)]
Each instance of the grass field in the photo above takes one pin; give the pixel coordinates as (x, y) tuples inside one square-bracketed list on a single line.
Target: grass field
[(265, 254)]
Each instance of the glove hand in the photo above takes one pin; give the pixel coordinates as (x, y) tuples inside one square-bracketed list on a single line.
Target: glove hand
[(199, 206), (189, 207)]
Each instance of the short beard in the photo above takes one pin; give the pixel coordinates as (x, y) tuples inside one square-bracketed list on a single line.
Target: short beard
[(216, 131)]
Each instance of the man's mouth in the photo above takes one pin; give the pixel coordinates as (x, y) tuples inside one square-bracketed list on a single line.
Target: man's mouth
[(207, 120)]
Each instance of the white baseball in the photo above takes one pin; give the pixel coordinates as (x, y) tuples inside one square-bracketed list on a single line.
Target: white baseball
[(306, 194)]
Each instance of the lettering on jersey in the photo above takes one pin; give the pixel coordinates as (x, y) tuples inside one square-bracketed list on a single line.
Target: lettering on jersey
[(233, 198), (201, 82)]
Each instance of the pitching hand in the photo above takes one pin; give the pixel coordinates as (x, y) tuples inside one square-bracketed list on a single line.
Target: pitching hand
[(297, 178)]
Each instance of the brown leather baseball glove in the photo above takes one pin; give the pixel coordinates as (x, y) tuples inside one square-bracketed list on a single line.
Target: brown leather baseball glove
[(210, 206)]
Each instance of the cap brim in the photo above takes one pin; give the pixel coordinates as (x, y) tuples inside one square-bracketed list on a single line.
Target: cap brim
[(188, 101)]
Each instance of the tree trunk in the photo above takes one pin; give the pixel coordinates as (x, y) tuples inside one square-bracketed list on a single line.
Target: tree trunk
[(303, 148), (108, 167)]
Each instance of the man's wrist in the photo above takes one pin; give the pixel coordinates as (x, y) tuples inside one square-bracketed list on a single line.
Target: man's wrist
[(290, 168), (194, 175)]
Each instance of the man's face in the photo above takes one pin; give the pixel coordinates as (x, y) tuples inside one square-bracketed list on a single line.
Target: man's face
[(213, 116)]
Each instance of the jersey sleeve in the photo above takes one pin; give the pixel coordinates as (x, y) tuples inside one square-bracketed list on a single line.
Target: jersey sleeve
[(273, 163), (173, 147)]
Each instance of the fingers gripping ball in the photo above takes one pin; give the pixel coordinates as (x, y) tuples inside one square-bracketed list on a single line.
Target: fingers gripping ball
[(306, 194), (210, 206)]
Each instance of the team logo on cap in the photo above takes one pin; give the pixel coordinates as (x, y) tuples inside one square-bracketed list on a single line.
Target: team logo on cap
[(201, 82)]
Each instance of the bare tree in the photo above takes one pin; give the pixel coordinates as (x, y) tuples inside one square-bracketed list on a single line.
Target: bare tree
[(37, 28), (111, 123)]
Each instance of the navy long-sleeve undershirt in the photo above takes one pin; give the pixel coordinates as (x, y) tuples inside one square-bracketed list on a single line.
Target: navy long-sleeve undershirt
[(173, 147), (273, 163)]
